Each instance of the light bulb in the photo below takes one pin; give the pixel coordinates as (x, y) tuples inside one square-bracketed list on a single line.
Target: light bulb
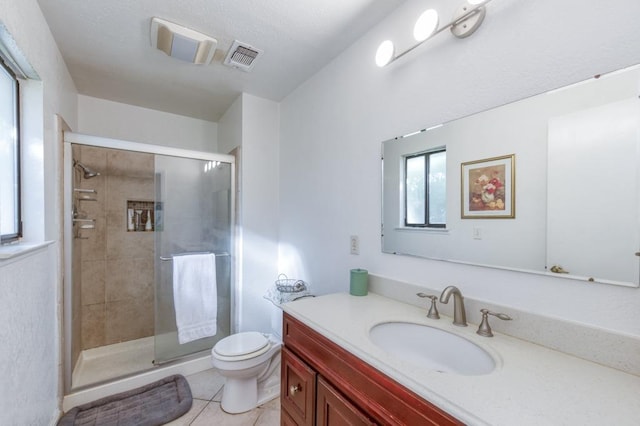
[(426, 25), (385, 52)]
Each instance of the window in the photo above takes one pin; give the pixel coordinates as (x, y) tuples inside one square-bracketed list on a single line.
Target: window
[(10, 221), (425, 189)]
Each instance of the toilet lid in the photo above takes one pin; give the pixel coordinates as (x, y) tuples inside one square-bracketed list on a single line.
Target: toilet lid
[(241, 344)]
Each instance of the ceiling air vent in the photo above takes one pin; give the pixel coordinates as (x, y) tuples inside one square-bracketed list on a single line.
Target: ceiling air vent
[(242, 56)]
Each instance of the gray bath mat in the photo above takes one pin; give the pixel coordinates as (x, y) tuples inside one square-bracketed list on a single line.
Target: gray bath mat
[(154, 404)]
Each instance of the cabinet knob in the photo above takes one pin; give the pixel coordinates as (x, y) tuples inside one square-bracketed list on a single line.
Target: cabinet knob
[(294, 389)]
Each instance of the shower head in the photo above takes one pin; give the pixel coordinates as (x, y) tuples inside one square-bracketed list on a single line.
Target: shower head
[(88, 173)]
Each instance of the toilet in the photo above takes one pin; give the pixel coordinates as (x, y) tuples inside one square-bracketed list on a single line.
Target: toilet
[(250, 364)]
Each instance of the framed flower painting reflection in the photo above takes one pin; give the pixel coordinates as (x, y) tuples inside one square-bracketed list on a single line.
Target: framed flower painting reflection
[(488, 188)]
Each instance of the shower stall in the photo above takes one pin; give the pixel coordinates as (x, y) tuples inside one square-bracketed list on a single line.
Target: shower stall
[(129, 209)]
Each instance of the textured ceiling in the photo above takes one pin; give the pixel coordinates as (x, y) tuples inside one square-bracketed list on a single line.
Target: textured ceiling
[(107, 49)]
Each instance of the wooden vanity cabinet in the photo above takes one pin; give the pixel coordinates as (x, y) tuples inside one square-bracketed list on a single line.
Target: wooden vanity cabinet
[(334, 409), (323, 384), (298, 389), (307, 399)]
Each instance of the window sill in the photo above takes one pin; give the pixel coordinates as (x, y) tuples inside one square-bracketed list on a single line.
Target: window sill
[(419, 229), (12, 251)]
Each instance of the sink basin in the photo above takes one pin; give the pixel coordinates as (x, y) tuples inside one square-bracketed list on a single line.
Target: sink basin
[(431, 348)]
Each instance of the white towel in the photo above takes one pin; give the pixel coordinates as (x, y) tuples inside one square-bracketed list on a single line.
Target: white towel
[(195, 296)]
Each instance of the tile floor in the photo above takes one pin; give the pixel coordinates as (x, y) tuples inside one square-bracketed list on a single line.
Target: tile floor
[(206, 388)]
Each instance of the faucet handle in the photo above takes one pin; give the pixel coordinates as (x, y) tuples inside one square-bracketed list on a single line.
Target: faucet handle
[(433, 310), (484, 329)]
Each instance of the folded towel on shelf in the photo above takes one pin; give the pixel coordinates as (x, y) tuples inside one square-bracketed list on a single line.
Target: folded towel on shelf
[(195, 296)]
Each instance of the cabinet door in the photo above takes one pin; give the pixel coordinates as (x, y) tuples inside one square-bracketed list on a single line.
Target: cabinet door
[(298, 392), (333, 409), (286, 419)]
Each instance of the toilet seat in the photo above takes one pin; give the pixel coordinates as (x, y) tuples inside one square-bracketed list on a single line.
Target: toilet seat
[(241, 346)]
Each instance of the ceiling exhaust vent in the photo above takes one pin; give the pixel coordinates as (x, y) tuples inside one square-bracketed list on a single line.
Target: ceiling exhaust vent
[(242, 56), (182, 43)]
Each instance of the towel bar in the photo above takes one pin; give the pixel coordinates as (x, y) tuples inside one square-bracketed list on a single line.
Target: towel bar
[(165, 259)]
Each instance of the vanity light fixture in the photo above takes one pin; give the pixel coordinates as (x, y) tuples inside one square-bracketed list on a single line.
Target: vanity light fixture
[(465, 22)]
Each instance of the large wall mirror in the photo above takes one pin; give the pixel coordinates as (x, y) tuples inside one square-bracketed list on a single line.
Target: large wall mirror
[(548, 184)]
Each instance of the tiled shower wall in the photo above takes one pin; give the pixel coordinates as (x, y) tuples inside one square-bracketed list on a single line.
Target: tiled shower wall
[(117, 267)]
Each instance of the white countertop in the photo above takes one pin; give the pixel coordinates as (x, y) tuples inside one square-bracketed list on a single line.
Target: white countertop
[(531, 385)]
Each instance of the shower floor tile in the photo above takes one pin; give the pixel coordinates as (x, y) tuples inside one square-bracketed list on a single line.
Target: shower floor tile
[(107, 362)]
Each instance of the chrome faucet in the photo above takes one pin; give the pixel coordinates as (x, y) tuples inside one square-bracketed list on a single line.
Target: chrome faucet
[(459, 314)]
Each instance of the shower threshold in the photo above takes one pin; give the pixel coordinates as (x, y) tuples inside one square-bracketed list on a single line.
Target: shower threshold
[(108, 362), (116, 368)]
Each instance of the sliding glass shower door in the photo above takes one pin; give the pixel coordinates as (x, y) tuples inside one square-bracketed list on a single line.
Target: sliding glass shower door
[(192, 214)]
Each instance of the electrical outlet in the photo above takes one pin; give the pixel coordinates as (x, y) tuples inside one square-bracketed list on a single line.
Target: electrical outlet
[(354, 244)]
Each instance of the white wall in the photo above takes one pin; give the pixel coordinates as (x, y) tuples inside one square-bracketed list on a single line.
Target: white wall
[(116, 120), (230, 128), (30, 340), (259, 222), (30, 285), (332, 126), (252, 124)]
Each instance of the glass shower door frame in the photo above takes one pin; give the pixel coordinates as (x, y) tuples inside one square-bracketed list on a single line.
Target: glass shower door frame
[(97, 141), (194, 215)]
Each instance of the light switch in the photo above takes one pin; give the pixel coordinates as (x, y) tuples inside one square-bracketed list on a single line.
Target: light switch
[(477, 233)]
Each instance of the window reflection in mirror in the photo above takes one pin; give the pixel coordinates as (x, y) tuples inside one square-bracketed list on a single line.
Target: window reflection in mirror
[(425, 189)]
